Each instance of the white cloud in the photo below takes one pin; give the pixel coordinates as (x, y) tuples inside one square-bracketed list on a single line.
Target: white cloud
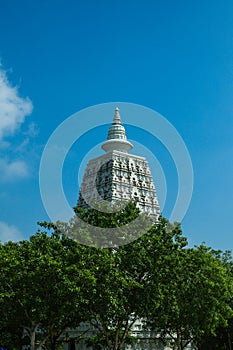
[(13, 108), (13, 111), (9, 233), (33, 130), (12, 170), (22, 146)]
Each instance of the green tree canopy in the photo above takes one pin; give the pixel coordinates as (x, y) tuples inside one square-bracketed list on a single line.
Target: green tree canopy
[(194, 297), (44, 286)]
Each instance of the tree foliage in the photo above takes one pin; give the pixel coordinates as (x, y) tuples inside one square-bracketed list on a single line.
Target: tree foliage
[(51, 283), (195, 297), (44, 287)]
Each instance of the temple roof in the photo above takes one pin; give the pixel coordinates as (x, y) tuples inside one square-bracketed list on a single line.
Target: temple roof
[(117, 139)]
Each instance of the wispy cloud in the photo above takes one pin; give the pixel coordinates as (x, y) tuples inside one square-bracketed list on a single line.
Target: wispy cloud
[(23, 145), (33, 130), (13, 111), (9, 233), (13, 108), (12, 170)]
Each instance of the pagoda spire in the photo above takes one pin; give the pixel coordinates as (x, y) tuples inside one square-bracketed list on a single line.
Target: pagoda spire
[(117, 117), (117, 139)]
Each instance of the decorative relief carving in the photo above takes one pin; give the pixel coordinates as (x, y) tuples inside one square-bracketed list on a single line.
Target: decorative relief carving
[(114, 181)]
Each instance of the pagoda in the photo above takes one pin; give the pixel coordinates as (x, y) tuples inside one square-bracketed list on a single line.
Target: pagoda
[(119, 176)]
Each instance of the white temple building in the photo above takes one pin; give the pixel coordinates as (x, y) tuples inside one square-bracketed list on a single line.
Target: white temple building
[(118, 175)]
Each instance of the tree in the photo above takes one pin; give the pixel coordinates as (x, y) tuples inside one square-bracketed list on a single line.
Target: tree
[(108, 225), (195, 297), (10, 331), (222, 339), (44, 285), (52, 282), (113, 310), (124, 273)]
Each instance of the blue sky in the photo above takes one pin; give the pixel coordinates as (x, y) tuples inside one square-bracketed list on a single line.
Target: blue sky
[(58, 57)]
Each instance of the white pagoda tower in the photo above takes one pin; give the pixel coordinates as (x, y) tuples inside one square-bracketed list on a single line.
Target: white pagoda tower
[(118, 175)]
